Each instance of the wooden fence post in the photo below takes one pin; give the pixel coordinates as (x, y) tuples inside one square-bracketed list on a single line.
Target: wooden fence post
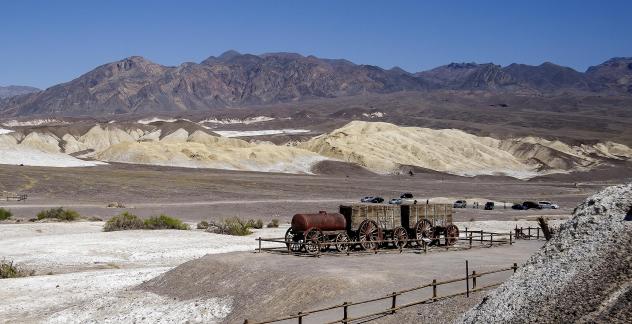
[(246, 321), (259, 244), (491, 239), (510, 238), (434, 289), (515, 267), (394, 303), (300, 317), (467, 280), (465, 231), (537, 233), (529, 231), (474, 280), (345, 314), (481, 236)]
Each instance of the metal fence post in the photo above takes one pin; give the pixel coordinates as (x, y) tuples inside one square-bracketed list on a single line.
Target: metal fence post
[(491, 239), (510, 238), (537, 233), (245, 321), (345, 309), (470, 240), (300, 317), (259, 244), (529, 231), (465, 231), (481, 236), (394, 303), (434, 289)]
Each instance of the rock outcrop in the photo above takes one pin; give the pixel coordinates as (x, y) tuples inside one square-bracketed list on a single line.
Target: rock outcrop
[(583, 275)]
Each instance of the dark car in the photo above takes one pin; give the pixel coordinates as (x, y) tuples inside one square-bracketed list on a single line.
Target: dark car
[(518, 207), (377, 200), (531, 205), (406, 195), (489, 205)]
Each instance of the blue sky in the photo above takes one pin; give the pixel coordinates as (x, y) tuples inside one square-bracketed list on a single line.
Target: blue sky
[(47, 42)]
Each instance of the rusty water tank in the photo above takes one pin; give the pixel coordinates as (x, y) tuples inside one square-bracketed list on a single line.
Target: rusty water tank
[(324, 221)]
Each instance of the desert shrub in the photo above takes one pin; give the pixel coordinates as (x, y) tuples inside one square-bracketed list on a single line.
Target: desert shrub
[(10, 270), (202, 225), (5, 214), (273, 223), (231, 226), (123, 221), (165, 222), (258, 224), (58, 213)]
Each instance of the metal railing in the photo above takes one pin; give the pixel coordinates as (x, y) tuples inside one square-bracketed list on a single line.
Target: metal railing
[(394, 307)]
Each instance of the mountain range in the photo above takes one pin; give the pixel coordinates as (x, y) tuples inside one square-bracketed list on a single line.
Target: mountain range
[(137, 85), (13, 90)]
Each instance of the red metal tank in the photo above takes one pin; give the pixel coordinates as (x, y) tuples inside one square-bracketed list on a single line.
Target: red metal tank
[(323, 221)]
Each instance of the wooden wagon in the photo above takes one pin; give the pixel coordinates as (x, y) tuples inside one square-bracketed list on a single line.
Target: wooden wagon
[(375, 222)]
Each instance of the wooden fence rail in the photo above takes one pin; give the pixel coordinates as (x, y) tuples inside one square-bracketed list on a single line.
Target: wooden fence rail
[(468, 241), (393, 298)]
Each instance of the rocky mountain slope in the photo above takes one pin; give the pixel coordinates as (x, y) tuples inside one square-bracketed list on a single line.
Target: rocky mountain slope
[(582, 275), (137, 85), (12, 90)]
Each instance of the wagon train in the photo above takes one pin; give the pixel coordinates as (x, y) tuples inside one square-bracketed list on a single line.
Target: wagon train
[(368, 225)]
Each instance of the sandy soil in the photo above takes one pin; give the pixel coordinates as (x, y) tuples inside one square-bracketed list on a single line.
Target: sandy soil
[(212, 194)]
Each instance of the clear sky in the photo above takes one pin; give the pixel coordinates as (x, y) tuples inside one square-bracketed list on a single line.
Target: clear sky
[(47, 42)]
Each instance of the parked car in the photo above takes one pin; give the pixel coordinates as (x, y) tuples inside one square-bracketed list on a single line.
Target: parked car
[(489, 205), (518, 207), (367, 199), (530, 205), (406, 195), (547, 205), (377, 200), (460, 204), (395, 201)]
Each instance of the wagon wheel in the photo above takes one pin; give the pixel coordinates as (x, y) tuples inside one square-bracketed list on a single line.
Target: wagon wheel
[(341, 242), (292, 241), (312, 239), (424, 229), (400, 237), (368, 233), (451, 234)]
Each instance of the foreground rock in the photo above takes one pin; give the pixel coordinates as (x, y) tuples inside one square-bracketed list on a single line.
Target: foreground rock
[(582, 275)]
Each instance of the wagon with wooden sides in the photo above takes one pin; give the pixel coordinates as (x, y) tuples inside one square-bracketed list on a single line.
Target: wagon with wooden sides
[(370, 225)]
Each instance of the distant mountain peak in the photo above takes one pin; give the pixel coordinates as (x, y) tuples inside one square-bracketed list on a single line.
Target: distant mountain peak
[(16, 90), (229, 54)]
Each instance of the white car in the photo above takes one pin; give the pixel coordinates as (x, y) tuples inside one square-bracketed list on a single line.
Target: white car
[(548, 205)]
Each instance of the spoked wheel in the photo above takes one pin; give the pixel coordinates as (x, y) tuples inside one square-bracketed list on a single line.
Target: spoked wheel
[(400, 237), (451, 234), (342, 242), (313, 239), (424, 230), (368, 234), (292, 241)]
